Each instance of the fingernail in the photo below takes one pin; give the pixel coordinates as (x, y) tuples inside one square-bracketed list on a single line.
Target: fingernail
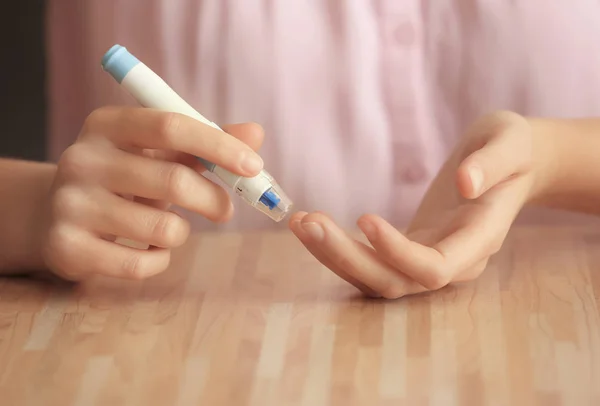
[(251, 162), (314, 230), (476, 176)]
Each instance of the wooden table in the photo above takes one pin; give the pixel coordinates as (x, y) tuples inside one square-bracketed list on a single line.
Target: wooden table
[(252, 319)]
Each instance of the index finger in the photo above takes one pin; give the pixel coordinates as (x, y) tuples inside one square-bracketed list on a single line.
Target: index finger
[(315, 250), (155, 129)]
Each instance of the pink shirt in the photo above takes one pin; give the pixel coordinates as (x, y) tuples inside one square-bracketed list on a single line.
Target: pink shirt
[(361, 99)]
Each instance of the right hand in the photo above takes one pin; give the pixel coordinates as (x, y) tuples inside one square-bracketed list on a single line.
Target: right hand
[(126, 168)]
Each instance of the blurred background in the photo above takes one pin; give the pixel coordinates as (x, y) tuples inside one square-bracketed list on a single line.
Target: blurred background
[(22, 80), (26, 103)]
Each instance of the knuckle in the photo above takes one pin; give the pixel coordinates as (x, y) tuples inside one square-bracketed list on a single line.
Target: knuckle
[(168, 127), (177, 182), (58, 250), (492, 124), (75, 161), (67, 202), (96, 117), (497, 118), (473, 273), (504, 123), (437, 278), (495, 247), (480, 268)]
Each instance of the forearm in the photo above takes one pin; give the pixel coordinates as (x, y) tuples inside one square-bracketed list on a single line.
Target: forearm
[(23, 190), (567, 158)]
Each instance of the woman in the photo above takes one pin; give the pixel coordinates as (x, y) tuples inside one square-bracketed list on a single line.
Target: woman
[(362, 101)]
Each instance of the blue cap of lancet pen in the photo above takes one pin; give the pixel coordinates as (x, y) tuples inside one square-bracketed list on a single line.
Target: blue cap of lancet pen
[(118, 62)]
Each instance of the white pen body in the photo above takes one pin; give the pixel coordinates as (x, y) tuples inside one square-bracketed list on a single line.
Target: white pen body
[(150, 90)]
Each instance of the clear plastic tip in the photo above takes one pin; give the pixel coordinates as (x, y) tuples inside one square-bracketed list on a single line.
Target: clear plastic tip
[(264, 194), (275, 203)]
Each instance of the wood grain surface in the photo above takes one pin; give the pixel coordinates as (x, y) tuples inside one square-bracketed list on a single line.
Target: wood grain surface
[(253, 319)]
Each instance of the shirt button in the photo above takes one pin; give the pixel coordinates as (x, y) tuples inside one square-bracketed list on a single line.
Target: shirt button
[(413, 174), (408, 168), (404, 34)]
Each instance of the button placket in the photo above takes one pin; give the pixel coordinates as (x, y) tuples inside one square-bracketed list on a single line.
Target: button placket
[(399, 36), (404, 34)]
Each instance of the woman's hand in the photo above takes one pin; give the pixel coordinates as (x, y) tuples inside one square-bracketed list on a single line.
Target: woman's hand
[(119, 179), (461, 222)]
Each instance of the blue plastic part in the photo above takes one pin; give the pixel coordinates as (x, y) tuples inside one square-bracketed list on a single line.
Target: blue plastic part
[(270, 199), (118, 62)]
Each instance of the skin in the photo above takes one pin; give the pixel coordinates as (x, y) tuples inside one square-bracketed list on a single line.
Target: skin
[(504, 162), (130, 165), (84, 202)]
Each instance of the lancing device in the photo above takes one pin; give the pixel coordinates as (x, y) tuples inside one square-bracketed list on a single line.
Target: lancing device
[(261, 191)]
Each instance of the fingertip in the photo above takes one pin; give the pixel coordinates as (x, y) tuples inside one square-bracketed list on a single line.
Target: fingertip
[(251, 134), (368, 217), (256, 129), (477, 180), (183, 233), (140, 264), (247, 127), (160, 262), (230, 212), (465, 181), (226, 215), (255, 135), (368, 227), (315, 217)]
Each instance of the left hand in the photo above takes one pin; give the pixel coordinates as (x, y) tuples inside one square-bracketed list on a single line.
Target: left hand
[(461, 222)]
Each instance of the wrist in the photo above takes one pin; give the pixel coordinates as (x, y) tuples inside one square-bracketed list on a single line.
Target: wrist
[(24, 192), (545, 159), (40, 218), (565, 164)]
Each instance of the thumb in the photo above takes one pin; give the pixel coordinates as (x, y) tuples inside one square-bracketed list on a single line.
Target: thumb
[(505, 155)]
